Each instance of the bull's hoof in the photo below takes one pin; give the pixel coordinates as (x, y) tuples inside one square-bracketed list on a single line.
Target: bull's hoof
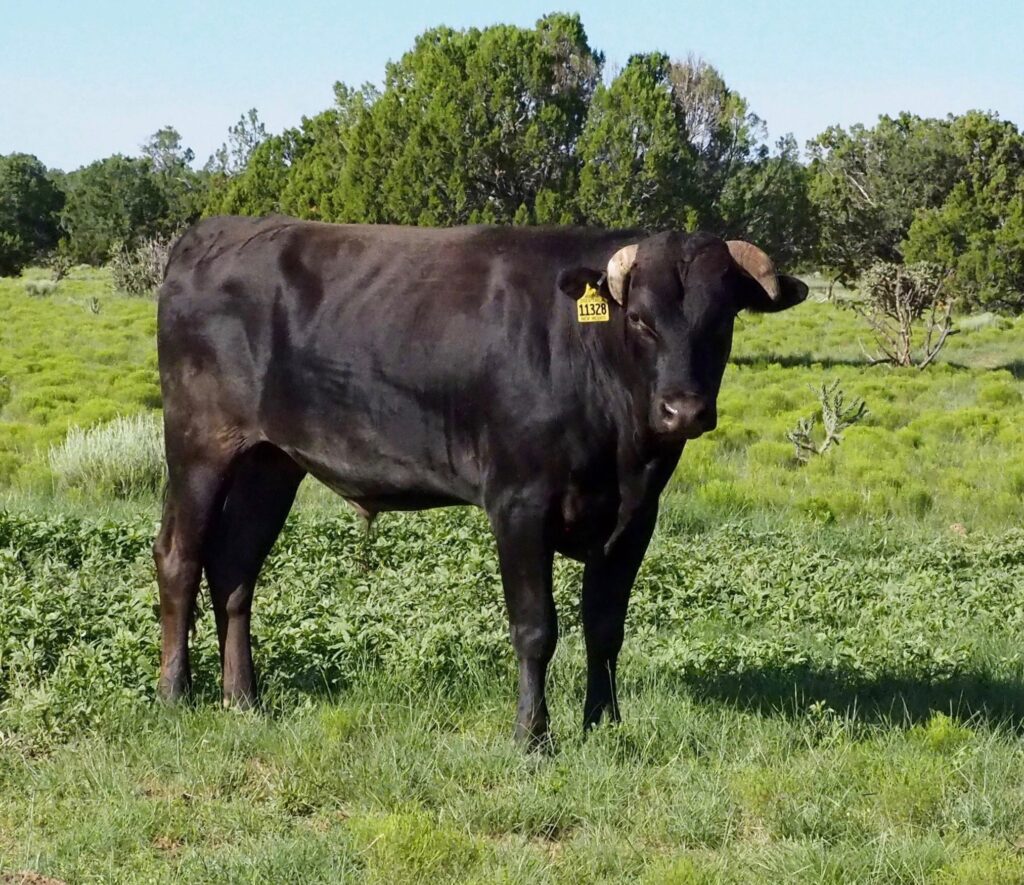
[(173, 690), (240, 702), (598, 714), (534, 739)]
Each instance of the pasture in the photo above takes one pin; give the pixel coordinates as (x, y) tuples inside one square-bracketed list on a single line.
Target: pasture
[(822, 679)]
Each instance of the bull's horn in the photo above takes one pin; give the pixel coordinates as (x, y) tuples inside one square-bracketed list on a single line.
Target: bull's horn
[(757, 264), (619, 266)]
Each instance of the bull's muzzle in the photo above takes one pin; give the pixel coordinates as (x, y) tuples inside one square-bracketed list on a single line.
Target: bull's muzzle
[(684, 416)]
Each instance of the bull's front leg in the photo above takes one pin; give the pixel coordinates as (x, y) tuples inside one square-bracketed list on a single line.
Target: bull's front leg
[(525, 558), (607, 581)]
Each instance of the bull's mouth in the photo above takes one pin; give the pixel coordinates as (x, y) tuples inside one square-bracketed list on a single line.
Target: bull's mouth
[(695, 432), (681, 435)]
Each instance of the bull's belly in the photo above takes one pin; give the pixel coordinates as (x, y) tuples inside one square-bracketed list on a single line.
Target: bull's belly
[(377, 475), (390, 452), (376, 485)]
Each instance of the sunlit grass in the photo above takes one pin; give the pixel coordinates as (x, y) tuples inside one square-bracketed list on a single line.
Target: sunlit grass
[(389, 785), (822, 680), (77, 357)]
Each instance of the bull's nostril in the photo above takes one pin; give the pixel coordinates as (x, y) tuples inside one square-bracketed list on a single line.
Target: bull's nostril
[(687, 414)]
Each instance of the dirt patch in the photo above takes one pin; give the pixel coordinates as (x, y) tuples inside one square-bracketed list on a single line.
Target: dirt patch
[(27, 877), (167, 845)]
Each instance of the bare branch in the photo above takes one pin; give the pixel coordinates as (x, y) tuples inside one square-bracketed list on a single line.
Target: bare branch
[(898, 299)]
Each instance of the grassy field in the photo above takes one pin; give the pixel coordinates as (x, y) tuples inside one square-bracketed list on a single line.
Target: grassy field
[(77, 357), (939, 447), (822, 682)]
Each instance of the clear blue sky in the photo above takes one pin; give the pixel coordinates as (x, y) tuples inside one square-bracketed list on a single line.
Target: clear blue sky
[(81, 79)]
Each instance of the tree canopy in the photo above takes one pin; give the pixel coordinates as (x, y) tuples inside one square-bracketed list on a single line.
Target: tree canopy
[(30, 205), (978, 229), (113, 201), (639, 168), (867, 183), (476, 125)]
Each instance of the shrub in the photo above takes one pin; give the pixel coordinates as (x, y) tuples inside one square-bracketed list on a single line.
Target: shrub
[(836, 417), (40, 288), (139, 271), (60, 262), (899, 297), (980, 321), (123, 458)]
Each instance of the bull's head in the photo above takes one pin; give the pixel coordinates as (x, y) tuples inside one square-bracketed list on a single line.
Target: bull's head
[(676, 297)]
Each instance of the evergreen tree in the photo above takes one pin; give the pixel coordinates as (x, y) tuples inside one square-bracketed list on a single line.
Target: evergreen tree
[(30, 205)]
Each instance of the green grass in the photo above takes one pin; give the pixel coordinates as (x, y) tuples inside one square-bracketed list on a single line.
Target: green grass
[(397, 787), (828, 706), (64, 365)]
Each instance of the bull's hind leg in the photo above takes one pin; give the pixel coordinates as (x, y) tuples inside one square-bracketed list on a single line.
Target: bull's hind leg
[(193, 494), (261, 492)]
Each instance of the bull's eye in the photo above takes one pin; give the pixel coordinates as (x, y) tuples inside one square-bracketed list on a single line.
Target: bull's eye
[(637, 323)]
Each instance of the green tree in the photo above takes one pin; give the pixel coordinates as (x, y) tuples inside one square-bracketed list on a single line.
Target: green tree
[(30, 205), (243, 138), (183, 187), (313, 187), (766, 200), (867, 184), (670, 145), (639, 166), (166, 152), (978, 230), (111, 201), (725, 136), (474, 126), (231, 159), (257, 189)]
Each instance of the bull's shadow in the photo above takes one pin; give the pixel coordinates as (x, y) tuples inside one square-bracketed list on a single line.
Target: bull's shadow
[(886, 699), (806, 360), (1014, 367), (796, 360)]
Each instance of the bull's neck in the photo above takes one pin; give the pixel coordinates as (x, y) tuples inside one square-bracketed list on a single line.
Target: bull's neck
[(609, 384)]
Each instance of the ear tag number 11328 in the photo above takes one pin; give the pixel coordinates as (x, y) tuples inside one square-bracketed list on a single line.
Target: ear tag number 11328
[(591, 307)]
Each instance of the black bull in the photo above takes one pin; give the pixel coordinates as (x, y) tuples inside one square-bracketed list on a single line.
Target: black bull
[(409, 368)]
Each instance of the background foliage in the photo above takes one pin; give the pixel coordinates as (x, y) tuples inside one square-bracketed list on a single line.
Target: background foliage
[(30, 203), (520, 125)]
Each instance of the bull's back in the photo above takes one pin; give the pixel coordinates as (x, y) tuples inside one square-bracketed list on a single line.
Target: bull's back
[(252, 302), (240, 293)]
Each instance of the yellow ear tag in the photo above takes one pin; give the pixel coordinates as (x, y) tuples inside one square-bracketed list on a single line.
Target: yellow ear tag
[(591, 307)]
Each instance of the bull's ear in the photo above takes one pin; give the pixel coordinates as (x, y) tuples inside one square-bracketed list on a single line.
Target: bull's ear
[(574, 282), (791, 293)]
